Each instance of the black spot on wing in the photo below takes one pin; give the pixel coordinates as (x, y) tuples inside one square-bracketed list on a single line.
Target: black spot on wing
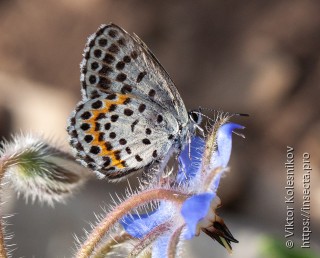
[(112, 107), (138, 158), (122, 141), (85, 126), (107, 161), (134, 124), (114, 118), (108, 58), (121, 77), (108, 146), (120, 65), (97, 104), (128, 150), (127, 59), (146, 141), (86, 115), (100, 116), (111, 96), (97, 126), (101, 136), (128, 112), (142, 108), (97, 53), (95, 149), (152, 93), (112, 135), (107, 126), (140, 76), (155, 154), (113, 33), (88, 138), (126, 89), (114, 48)]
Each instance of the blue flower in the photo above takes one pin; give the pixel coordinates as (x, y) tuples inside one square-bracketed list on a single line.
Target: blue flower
[(199, 183), (139, 225), (224, 145), (190, 160), (221, 157), (194, 210), (160, 246), (198, 210), (199, 214)]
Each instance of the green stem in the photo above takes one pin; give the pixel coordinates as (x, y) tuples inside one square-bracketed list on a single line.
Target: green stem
[(124, 208)]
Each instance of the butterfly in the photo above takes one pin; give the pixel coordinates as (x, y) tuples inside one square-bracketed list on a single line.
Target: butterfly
[(131, 115)]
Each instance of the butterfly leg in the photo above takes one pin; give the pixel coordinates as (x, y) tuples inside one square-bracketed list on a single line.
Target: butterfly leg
[(154, 172), (151, 173)]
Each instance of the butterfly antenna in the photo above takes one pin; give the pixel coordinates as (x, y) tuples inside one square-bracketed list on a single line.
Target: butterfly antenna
[(214, 110), (202, 114), (240, 114)]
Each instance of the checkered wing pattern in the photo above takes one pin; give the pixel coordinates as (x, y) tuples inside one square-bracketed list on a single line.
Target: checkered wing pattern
[(131, 114), (116, 134), (116, 62)]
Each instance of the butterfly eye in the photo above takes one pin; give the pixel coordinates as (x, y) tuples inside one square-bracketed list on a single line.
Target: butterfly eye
[(195, 117)]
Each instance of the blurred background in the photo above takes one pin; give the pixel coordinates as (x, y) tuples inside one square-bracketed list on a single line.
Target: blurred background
[(255, 57)]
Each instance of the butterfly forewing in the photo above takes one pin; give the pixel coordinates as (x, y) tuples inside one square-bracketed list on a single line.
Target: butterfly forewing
[(116, 62), (131, 114)]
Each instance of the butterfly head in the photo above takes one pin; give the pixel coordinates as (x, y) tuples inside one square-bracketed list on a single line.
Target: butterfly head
[(195, 116)]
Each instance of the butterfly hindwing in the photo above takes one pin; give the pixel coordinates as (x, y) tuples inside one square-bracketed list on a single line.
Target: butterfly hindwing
[(116, 134)]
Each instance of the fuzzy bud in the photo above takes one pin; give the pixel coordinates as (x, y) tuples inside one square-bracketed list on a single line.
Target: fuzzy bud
[(39, 170)]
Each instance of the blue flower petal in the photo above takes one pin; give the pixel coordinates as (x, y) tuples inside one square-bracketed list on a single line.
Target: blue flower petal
[(139, 225), (224, 143), (221, 157), (160, 247), (193, 210), (190, 160), (216, 181)]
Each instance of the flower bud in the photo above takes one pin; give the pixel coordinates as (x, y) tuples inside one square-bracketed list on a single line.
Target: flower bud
[(39, 170)]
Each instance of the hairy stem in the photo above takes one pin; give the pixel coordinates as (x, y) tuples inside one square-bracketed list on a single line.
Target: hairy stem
[(149, 239), (3, 251), (174, 241), (115, 240), (210, 177), (125, 207), (211, 144)]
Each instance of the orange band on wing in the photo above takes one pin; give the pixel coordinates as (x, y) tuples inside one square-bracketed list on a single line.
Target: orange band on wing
[(92, 121)]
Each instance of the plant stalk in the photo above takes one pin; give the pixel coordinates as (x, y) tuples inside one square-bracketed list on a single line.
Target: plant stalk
[(124, 208), (3, 251)]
